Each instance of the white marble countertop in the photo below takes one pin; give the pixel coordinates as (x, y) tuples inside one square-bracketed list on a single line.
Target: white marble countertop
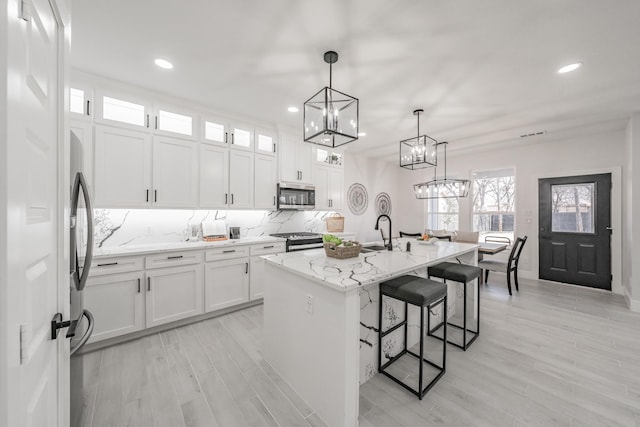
[(367, 268), (126, 250)]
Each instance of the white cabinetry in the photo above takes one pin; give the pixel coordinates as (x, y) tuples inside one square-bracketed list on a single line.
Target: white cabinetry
[(226, 278), (295, 160), (214, 176), (256, 269), (173, 293), (329, 187), (83, 130), (175, 173), (240, 179), (265, 182), (117, 304), (122, 175)]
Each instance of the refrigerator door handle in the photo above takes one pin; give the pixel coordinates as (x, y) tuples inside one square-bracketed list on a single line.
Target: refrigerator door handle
[(86, 313), (80, 280)]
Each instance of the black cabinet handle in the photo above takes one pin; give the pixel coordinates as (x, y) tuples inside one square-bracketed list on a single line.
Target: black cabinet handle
[(147, 121), (231, 198), (156, 122), (267, 247), (226, 139), (138, 285), (246, 268), (148, 283), (155, 195), (232, 140), (226, 198), (107, 264), (88, 107), (175, 257), (147, 194), (274, 200), (229, 252)]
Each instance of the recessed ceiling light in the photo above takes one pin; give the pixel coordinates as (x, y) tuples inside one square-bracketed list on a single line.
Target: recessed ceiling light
[(163, 63), (362, 134), (570, 67), (292, 109)]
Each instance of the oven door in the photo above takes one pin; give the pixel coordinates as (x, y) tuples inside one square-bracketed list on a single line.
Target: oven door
[(296, 196), (295, 248)]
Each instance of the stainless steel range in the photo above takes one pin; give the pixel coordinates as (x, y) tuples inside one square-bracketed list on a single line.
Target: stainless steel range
[(301, 241)]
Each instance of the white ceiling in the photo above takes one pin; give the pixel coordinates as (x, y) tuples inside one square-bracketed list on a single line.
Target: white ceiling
[(483, 71)]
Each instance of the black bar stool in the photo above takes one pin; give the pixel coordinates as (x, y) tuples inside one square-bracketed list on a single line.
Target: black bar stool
[(464, 274), (423, 293)]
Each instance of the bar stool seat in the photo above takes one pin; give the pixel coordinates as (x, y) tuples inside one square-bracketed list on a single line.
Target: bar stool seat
[(461, 273), (424, 293)]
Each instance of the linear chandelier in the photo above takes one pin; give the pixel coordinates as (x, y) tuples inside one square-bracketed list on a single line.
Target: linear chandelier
[(418, 152), (330, 116), (442, 187)]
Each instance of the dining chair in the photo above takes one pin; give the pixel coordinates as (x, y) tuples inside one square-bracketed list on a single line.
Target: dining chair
[(403, 234), (467, 236), (505, 267)]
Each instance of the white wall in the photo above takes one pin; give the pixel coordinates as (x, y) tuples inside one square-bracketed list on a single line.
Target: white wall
[(631, 204), (534, 159)]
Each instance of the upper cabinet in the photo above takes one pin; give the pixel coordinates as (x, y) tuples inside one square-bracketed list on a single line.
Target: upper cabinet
[(169, 121), (265, 181), (81, 102), (328, 156), (175, 173), (295, 160), (215, 130), (240, 179), (214, 177), (241, 136), (265, 142), (124, 111)]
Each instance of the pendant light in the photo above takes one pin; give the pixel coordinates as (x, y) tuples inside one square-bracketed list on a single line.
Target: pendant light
[(330, 116), (442, 187), (418, 152)]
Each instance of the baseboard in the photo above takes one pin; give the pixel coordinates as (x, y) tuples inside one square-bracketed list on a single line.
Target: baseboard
[(633, 304)]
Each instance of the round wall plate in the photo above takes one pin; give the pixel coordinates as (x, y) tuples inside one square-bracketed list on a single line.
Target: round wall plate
[(357, 199)]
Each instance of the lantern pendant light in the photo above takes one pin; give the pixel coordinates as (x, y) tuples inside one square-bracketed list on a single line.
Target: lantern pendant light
[(418, 152), (330, 116), (442, 187)]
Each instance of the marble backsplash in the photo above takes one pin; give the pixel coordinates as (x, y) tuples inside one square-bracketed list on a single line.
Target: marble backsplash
[(119, 227)]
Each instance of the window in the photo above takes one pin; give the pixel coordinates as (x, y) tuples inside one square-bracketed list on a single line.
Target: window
[(572, 208), (174, 122), (443, 213), (494, 203)]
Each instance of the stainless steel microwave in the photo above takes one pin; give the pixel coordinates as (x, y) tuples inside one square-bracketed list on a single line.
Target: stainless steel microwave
[(296, 196)]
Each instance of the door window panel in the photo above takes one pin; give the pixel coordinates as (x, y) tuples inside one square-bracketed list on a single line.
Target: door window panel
[(494, 203), (572, 208), (174, 122), (122, 111)]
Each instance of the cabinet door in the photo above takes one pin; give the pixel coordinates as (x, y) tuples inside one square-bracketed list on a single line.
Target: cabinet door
[(214, 176), (173, 294), (80, 102), (240, 179), (265, 182), (321, 174), (304, 157), (241, 136), (215, 131), (226, 283), (288, 163), (122, 174), (175, 173), (116, 302), (265, 142), (335, 187), (256, 278)]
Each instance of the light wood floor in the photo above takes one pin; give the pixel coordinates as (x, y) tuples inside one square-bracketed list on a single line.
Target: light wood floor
[(550, 355)]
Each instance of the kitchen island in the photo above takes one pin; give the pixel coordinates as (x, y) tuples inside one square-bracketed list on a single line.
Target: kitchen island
[(321, 318)]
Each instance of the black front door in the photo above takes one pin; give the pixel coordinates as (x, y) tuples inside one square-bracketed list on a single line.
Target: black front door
[(575, 230)]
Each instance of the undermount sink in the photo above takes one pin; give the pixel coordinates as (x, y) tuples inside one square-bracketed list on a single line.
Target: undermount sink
[(374, 248)]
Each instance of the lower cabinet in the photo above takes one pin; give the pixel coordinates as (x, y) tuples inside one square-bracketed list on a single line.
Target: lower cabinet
[(256, 289), (226, 283), (117, 304), (173, 293)]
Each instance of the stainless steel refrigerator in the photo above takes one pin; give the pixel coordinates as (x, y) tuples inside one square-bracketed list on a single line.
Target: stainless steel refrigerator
[(81, 237)]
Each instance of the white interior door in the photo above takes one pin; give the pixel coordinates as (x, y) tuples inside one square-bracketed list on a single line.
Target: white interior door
[(31, 200)]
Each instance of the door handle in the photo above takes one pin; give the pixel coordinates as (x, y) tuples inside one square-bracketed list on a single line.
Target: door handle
[(609, 228)]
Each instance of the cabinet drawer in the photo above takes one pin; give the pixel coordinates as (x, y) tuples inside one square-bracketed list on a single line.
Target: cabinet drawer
[(103, 266), (226, 253), (173, 259), (268, 248)]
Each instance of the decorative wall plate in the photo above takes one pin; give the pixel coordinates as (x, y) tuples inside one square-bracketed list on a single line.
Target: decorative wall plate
[(383, 204), (357, 199)]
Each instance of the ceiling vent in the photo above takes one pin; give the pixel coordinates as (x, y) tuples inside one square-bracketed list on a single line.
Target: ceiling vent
[(527, 135)]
